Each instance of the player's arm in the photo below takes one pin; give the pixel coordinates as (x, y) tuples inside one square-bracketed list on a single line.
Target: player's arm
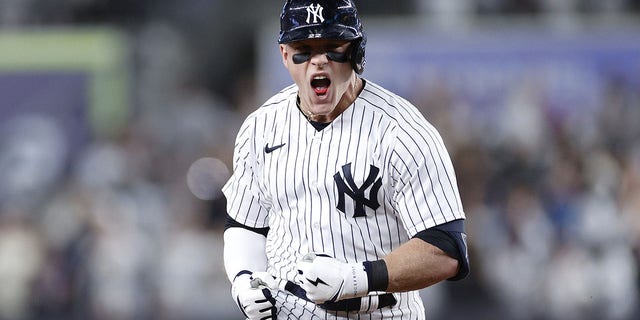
[(244, 248), (440, 252), (416, 265), (245, 263), (431, 256)]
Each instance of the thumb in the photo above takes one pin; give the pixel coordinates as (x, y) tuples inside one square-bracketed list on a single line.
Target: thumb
[(263, 278)]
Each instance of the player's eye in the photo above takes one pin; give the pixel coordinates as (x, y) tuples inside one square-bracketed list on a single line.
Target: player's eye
[(303, 57)]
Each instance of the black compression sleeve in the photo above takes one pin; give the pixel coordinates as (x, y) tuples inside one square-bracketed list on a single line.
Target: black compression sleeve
[(230, 223), (441, 240), (451, 239)]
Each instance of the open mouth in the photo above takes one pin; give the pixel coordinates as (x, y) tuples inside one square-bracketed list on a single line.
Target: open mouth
[(320, 84)]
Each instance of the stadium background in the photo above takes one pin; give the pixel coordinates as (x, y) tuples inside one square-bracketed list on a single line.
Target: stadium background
[(117, 121)]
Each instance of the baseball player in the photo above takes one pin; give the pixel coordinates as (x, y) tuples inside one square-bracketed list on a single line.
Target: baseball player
[(343, 201)]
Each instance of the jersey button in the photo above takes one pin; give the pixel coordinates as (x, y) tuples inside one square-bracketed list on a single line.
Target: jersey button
[(316, 225)]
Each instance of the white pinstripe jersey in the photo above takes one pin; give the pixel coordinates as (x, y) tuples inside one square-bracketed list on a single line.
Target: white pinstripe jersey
[(356, 190)]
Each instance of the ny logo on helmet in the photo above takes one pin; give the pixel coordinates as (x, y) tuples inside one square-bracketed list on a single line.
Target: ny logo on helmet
[(316, 12), (357, 193)]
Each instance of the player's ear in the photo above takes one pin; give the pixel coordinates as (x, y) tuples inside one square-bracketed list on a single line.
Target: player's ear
[(285, 54)]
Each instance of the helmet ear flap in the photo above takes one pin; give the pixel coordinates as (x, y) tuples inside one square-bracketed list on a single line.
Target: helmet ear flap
[(357, 54)]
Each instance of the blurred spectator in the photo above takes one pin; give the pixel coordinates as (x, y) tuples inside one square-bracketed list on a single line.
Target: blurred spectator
[(21, 258)]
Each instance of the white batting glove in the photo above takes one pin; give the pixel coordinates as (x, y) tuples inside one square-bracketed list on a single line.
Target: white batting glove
[(327, 279), (252, 294)]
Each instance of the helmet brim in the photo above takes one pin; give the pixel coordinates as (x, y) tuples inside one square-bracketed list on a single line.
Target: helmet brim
[(334, 32)]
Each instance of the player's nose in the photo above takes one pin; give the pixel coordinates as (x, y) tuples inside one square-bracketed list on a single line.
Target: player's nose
[(319, 58)]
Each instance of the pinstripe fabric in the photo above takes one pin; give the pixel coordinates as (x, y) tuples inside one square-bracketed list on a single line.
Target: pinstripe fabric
[(292, 189), (290, 307)]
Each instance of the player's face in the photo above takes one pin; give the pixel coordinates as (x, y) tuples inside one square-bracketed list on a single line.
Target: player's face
[(323, 73)]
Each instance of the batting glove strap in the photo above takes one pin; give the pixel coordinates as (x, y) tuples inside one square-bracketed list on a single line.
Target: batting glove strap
[(241, 273), (377, 275)]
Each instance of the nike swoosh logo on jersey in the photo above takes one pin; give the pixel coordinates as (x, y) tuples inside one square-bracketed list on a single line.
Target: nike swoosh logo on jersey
[(268, 149)]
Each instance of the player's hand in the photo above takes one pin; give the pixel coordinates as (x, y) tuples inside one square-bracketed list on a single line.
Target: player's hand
[(252, 293), (327, 279)]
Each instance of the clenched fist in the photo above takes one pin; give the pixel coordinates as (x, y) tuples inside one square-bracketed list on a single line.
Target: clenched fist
[(327, 279), (252, 292)]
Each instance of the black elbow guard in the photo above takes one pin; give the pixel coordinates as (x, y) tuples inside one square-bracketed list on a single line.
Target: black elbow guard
[(450, 238), (230, 223)]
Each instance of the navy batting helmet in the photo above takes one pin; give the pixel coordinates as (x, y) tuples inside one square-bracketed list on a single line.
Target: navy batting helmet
[(324, 19)]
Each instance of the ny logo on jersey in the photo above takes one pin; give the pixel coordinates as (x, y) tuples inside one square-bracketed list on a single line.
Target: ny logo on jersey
[(357, 193), (316, 12)]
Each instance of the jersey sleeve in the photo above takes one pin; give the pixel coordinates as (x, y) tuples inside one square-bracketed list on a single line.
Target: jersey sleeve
[(242, 190), (425, 190)]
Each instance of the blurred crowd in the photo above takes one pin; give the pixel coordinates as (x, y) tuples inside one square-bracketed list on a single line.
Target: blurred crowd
[(552, 205), (129, 226)]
